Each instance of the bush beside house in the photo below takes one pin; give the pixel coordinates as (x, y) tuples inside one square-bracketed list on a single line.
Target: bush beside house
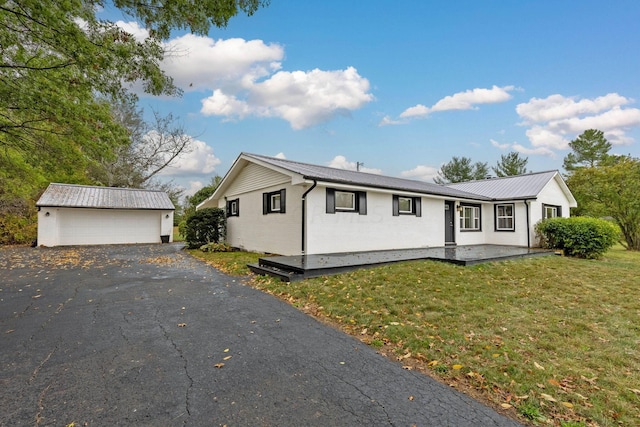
[(580, 237), (203, 227)]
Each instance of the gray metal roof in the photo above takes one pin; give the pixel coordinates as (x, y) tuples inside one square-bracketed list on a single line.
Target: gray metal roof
[(511, 187), (328, 174), (84, 196)]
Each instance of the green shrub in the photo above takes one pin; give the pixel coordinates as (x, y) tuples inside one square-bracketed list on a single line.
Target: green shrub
[(580, 237), (204, 226), (216, 247)]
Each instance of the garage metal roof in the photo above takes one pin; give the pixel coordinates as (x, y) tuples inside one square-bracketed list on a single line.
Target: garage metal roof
[(85, 196)]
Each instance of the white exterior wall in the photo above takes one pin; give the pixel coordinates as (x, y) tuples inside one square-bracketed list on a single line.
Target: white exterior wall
[(75, 226), (518, 237), (551, 194), (277, 233), (377, 230), (474, 237)]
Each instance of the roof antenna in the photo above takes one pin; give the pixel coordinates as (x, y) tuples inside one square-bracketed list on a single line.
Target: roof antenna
[(358, 164)]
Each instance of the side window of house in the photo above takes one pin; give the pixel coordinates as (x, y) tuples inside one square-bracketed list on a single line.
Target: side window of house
[(346, 201), (403, 205), (233, 207), (274, 202), (551, 211), (470, 218), (505, 217)]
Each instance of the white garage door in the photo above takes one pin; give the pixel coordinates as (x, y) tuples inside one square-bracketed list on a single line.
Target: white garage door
[(107, 226)]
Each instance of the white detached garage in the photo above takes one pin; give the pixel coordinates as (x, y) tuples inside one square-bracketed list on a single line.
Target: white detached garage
[(85, 215)]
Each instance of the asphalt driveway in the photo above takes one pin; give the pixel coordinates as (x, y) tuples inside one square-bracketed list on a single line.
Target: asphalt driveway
[(145, 335)]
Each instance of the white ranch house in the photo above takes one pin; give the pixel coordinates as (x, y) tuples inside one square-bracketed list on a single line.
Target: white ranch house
[(291, 208)]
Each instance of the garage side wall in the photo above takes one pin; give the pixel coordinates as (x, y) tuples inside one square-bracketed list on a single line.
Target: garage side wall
[(85, 226)]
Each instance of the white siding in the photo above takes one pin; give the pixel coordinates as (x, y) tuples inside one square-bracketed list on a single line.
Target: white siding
[(518, 237), (377, 230), (551, 194), (255, 177), (75, 226), (251, 230)]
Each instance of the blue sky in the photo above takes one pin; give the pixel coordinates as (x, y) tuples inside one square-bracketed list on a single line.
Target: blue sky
[(404, 86)]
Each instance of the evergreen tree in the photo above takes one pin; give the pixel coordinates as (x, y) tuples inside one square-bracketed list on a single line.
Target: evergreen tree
[(511, 164)]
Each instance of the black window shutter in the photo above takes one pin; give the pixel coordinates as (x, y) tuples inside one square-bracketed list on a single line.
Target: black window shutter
[(362, 202), (265, 203), (396, 206), (559, 210), (331, 201), (417, 203), (228, 208), (283, 202), (237, 207)]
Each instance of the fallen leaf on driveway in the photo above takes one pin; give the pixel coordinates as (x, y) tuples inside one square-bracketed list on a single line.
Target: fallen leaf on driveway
[(182, 325), (227, 358), (219, 365)]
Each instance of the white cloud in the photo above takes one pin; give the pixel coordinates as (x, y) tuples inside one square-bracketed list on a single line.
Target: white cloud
[(304, 99), (199, 63), (133, 28), (498, 145), (556, 120), (557, 107), (541, 151), (194, 187), (421, 172), (246, 79), (415, 111), (466, 100), (199, 160), (341, 162), (386, 121)]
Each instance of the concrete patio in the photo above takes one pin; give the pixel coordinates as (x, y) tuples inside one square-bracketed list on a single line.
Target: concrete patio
[(299, 267)]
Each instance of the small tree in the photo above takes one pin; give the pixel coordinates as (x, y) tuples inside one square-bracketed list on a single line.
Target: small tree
[(511, 164), (460, 169), (205, 226)]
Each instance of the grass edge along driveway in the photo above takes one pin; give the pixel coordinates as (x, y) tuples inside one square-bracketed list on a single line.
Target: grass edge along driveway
[(548, 340)]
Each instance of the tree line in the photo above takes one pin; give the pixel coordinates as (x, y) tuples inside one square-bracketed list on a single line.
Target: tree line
[(66, 111), (461, 169)]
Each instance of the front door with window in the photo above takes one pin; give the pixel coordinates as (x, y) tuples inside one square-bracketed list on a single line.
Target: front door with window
[(449, 224)]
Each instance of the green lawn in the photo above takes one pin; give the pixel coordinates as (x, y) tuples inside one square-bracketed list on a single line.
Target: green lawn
[(549, 340)]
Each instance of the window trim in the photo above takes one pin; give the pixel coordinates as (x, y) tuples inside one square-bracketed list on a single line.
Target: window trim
[(416, 205), (558, 209), (360, 201), (273, 198), (230, 205), (476, 208), (512, 217), (267, 202), (354, 202)]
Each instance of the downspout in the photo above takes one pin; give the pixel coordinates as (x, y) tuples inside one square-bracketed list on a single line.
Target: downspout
[(526, 203), (304, 204)]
